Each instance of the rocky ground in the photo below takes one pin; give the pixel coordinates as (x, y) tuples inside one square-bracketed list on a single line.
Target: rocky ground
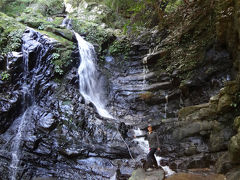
[(184, 78)]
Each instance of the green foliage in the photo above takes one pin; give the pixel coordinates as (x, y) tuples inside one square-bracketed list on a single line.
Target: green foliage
[(46, 7), (55, 56), (5, 76), (61, 59), (94, 33), (119, 47), (236, 102), (14, 39), (49, 7), (173, 5), (11, 33), (15, 8), (58, 63)]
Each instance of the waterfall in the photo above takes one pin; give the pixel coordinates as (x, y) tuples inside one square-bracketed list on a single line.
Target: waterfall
[(145, 71), (67, 23), (166, 105), (90, 86), (35, 72), (15, 150)]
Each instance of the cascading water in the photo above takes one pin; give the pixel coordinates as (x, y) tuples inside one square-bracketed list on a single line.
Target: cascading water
[(166, 105), (32, 76), (90, 86), (16, 143)]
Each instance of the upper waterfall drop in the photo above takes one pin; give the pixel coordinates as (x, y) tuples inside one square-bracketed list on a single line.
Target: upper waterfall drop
[(90, 86)]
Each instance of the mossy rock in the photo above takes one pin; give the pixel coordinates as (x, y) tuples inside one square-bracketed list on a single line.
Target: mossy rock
[(62, 51), (38, 21), (184, 112), (188, 130), (236, 124), (94, 33), (45, 7), (231, 87), (65, 33), (234, 148), (224, 103), (11, 34)]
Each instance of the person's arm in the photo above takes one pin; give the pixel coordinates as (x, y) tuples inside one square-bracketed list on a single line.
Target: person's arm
[(144, 135)]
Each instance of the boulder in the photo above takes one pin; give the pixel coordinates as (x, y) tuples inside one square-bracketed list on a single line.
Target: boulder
[(234, 174), (190, 109), (141, 174), (223, 163), (188, 176), (237, 122), (192, 129), (234, 148), (224, 103)]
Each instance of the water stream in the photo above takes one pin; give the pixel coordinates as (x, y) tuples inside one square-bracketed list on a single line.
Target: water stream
[(90, 84), (32, 41), (144, 145), (16, 143), (166, 106)]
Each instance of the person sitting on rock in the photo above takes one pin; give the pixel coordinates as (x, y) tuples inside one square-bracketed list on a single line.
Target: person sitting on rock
[(154, 145)]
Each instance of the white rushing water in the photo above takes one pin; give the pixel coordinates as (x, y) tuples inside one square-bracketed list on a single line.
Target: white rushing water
[(15, 149), (144, 145), (90, 86), (166, 106)]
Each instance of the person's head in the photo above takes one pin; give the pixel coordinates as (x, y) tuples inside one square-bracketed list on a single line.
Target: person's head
[(149, 128)]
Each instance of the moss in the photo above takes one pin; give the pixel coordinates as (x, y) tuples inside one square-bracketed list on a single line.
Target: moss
[(11, 33), (187, 43), (63, 60), (45, 7), (5, 76), (62, 53), (38, 21), (63, 41), (94, 33), (184, 112), (146, 96), (237, 122), (234, 148), (119, 47)]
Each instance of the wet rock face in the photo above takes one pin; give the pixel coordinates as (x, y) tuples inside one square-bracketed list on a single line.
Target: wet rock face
[(66, 139), (63, 136), (32, 67), (208, 78), (10, 103), (202, 132)]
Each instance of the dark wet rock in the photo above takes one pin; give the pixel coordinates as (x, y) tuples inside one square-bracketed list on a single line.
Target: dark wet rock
[(154, 57), (2, 63), (65, 137), (15, 60), (73, 78), (10, 108), (208, 78), (47, 121)]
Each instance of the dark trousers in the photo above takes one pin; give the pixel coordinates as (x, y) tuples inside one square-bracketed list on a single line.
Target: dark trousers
[(151, 158)]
